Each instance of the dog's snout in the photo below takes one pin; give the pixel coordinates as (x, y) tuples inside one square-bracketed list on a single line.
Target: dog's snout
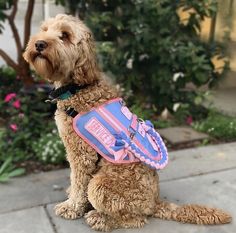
[(40, 45)]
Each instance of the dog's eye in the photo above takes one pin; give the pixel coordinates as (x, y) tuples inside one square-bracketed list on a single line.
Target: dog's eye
[(64, 36)]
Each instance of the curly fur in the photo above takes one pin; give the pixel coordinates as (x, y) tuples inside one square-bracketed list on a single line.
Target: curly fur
[(121, 195)]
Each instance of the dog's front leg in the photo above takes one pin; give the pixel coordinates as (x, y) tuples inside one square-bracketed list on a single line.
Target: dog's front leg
[(82, 161)]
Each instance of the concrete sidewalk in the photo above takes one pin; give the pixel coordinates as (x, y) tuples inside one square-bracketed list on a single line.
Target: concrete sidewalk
[(204, 175)]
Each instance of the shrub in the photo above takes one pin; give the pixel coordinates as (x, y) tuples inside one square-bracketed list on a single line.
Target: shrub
[(23, 123), (146, 46)]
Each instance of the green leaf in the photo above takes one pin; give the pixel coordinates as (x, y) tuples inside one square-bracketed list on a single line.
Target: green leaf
[(5, 165), (198, 100), (4, 178), (17, 172)]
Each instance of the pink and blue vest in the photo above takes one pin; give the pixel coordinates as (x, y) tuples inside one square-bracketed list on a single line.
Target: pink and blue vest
[(119, 136)]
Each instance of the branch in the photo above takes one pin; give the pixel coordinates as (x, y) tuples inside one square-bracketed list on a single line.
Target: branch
[(8, 60), (11, 18), (28, 16), (14, 10)]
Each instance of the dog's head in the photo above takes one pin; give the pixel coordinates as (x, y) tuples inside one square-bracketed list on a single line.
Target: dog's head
[(63, 51)]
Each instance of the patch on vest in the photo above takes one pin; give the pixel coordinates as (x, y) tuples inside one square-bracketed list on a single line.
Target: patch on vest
[(120, 137)]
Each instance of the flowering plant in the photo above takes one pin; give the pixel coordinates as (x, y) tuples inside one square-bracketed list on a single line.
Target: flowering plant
[(11, 100), (25, 122), (25, 119), (49, 148)]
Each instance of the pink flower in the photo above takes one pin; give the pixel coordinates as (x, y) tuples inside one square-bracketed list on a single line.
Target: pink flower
[(189, 120), (9, 97), (16, 104), (14, 127)]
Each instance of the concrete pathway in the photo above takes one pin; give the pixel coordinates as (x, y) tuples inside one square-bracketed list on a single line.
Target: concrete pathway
[(223, 100), (182, 134), (205, 175)]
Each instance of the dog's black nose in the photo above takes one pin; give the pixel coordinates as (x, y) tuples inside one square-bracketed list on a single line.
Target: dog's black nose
[(40, 45)]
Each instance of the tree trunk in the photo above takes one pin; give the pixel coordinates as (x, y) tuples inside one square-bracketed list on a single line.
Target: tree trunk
[(21, 66)]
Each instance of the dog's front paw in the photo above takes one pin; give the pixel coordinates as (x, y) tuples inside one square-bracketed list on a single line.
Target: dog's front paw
[(97, 221), (69, 210)]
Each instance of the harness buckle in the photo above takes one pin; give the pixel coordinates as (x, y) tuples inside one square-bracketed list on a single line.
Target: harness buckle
[(132, 132), (71, 112), (52, 101)]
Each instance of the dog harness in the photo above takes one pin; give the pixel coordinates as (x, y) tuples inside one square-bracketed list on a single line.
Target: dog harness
[(119, 136)]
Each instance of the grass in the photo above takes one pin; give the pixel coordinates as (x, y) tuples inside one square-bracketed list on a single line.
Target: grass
[(218, 126)]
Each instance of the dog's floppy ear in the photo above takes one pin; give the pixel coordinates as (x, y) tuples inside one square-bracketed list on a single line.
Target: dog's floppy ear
[(86, 68)]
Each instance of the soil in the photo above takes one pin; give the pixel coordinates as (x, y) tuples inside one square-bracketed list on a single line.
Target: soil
[(32, 166)]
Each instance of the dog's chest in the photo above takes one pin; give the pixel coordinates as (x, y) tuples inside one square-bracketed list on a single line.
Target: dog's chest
[(64, 123)]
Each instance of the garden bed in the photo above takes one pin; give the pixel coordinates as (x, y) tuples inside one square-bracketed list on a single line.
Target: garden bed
[(32, 166)]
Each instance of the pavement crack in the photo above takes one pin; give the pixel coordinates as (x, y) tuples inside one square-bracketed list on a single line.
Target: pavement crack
[(28, 207), (199, 174), (50, 219)]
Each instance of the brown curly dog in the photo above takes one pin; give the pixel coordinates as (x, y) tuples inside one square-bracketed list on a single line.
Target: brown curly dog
[(124, 195)]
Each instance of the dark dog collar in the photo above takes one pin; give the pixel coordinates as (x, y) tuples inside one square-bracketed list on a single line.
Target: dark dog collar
[(64, 92)]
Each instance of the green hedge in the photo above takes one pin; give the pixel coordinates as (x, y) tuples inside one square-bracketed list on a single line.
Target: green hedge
[(148, 49)]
